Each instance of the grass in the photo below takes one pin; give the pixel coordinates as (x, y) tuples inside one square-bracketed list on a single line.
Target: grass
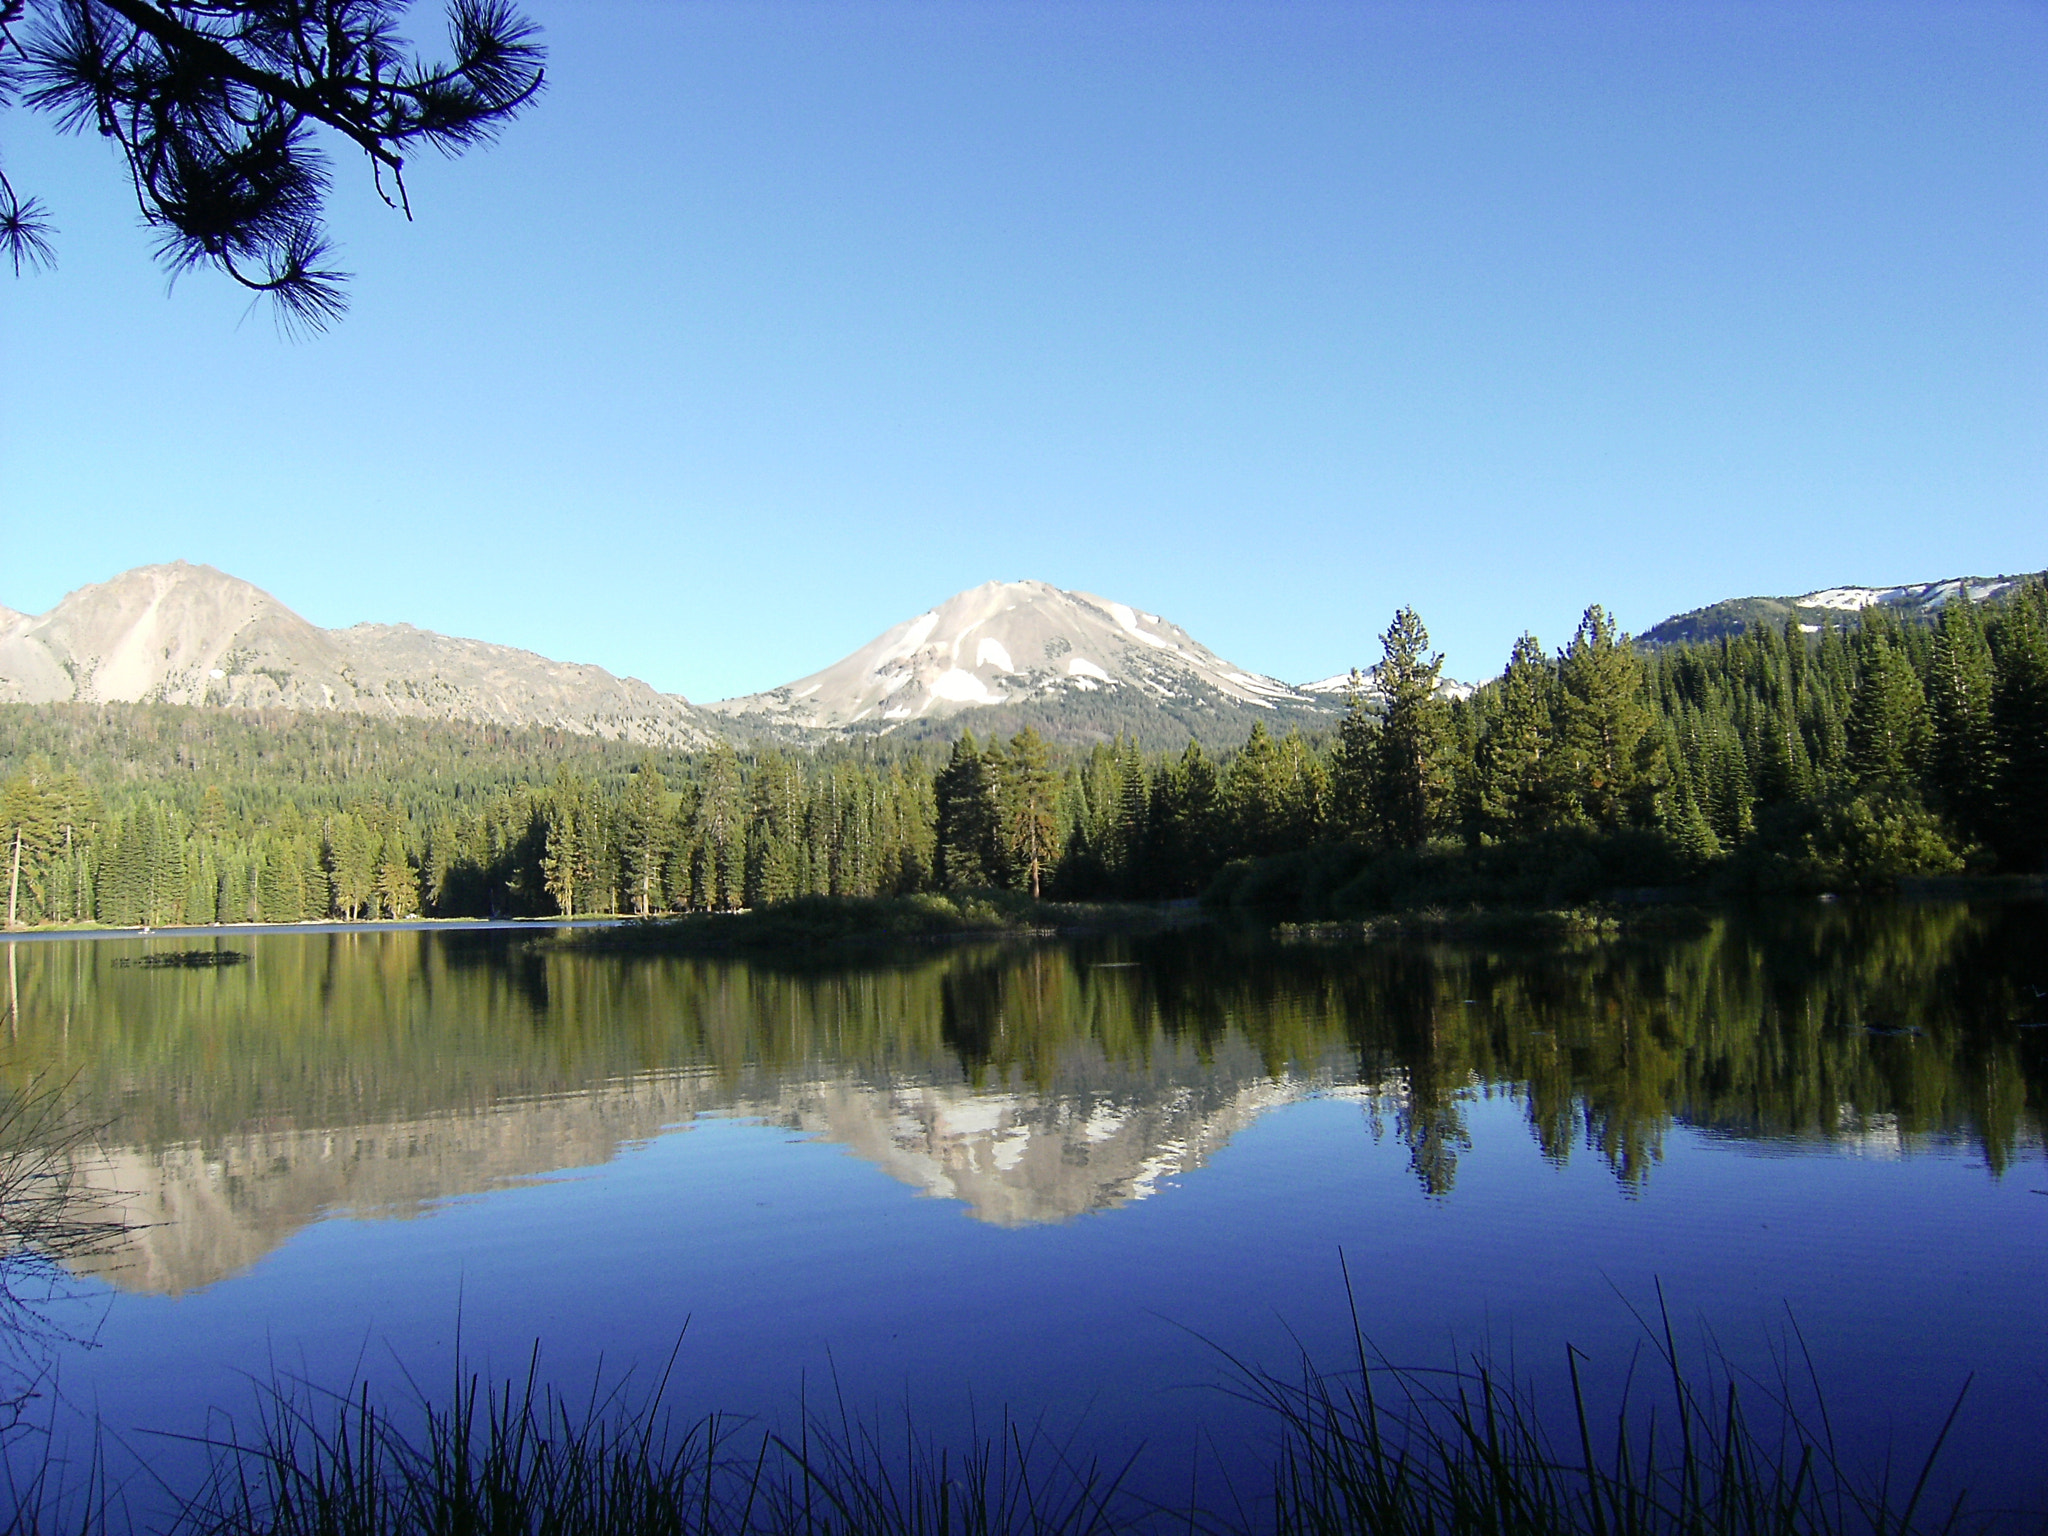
[(1391, 1451), (1369, 1449), (518, 1458)]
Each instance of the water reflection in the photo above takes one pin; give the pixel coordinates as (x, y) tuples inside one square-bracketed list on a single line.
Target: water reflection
[(374, 1073)]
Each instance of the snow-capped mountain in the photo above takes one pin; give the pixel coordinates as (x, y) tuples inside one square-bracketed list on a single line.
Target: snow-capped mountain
[(189, 634), (1831, 605), (1014, 643)]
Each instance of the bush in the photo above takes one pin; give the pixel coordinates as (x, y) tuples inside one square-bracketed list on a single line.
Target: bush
[(1865, 842)]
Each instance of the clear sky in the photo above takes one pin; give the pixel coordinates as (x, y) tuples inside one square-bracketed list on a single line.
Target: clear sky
[(776, 323)]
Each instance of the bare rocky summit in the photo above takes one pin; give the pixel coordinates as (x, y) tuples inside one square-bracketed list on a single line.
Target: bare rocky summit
[(189, 634), (1012, 643)]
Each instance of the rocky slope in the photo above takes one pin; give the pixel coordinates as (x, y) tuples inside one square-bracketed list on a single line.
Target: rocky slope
[(1020, 649), (189, 634)]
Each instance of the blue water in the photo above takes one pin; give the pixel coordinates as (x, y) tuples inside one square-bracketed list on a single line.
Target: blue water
[(791, 1268)]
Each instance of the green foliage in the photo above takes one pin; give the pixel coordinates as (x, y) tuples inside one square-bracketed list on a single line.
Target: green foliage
[(1843, 759), (2020, 726), (1410, 777), (1558, 867), (1887, 727), (1516, 783), (1862, 842), (1602, 726)]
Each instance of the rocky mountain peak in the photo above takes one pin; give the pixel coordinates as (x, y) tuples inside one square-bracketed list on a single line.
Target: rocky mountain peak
[(1006, 642)]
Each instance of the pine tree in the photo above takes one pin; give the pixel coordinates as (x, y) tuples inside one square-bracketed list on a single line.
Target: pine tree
[(352, 865), (645, 822), (1410, 783), (1030, 829), (719, 836), (1514, 759), (2019, 712), (1133, 813), (966, 810), (1963, 763), (1353, 764), (398, 885), (569, 863), (30, 818), (1253, 806), (1602, 725), (1886, 729), (1185, 836)]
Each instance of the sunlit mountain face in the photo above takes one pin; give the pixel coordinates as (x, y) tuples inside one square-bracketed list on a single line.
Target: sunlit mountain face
[(189, 634), (1007, 642)]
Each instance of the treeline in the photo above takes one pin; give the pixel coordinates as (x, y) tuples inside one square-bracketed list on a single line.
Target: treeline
[(1778, 758)]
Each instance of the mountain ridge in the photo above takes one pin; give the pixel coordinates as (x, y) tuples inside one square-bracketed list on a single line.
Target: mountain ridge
[(194, 635), (1074, 665), (1911, 601)]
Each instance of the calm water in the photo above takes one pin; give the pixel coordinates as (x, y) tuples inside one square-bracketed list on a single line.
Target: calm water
[(1059, 1177)]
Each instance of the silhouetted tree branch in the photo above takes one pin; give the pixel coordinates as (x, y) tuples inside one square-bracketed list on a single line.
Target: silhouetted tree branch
[(214, 104)]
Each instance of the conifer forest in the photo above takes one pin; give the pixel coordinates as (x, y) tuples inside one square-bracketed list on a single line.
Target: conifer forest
[(1777, 759)]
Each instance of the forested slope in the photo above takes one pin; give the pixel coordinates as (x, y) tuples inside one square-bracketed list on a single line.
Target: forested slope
[(1772, 759)]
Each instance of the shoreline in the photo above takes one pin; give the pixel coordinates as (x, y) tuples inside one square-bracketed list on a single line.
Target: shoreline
[(382, 925)]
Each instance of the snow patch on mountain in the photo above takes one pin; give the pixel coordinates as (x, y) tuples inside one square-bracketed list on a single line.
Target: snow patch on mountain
[(1007, 642), (1932, 593)]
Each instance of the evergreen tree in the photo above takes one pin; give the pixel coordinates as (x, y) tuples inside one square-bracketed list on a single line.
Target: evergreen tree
[(1411, 785), (352, 866), (1254, 797), (1030, 829), (1602, 726), (1133, 814), (31, 815), (569, 864), (1185, 837), (964, 795), (1963, 763), (2019, 711), (398, 885), (646, 819), (1514, 759), (1886, 729), (1354, 764), (719, 837)]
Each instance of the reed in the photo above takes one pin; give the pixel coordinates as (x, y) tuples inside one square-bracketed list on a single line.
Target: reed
[(1375, 1448), (519, 1458)]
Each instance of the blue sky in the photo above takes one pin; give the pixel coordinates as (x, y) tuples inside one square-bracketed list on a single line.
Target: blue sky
[(776, 323)]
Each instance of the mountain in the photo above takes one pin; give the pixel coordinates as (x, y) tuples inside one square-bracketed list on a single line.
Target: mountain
[(1100, 1134), (1010, 653), (1832, 605), (189, 634)]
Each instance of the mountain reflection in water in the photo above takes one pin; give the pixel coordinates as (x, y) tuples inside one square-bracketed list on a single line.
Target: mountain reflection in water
[(375, 1073)]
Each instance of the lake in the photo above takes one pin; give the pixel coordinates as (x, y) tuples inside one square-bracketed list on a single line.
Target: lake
[(1060, 1176)]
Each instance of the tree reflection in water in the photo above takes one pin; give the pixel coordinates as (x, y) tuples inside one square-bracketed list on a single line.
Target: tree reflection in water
[(375, 1071)]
